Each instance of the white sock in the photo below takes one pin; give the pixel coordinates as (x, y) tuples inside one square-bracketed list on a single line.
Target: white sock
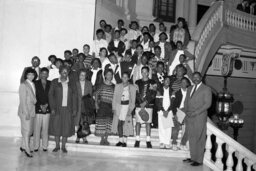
[(120, 139), (125, 139), (137, 138), (148, 138)]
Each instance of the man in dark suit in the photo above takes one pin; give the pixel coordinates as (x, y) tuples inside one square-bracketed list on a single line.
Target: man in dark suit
[(35, 65), (198, 100), (116, 45)]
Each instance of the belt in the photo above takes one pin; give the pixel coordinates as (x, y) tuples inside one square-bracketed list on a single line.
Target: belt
[(125, 102)]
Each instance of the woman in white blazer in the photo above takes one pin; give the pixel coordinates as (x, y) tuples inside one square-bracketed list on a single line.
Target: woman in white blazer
[(26, 111)]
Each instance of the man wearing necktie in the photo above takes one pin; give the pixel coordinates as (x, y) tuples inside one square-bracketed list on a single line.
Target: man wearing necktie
[(198, 100)]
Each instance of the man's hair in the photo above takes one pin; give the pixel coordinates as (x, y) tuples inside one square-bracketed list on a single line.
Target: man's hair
[(145, 67)]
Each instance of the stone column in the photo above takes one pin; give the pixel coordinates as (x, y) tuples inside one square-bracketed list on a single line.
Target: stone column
[(144, 11), (192, 15), (179, 12)]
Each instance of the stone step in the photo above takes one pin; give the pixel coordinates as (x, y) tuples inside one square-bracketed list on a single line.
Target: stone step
[(125, 151)]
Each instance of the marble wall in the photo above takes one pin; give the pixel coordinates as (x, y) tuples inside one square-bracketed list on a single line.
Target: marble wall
[(39, 28)]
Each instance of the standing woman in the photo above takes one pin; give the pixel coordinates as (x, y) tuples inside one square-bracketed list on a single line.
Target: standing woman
[(123, 105), (63, 104), (84, 88), (103, 103), (26, 111)]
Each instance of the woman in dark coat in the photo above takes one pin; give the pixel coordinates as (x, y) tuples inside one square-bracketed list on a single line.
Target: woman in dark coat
[(63, 104), (84, 90), (103, 103)]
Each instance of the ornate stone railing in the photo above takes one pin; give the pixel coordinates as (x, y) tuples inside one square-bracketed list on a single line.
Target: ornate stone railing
[(227, 147), (222, 15), (210, 27)]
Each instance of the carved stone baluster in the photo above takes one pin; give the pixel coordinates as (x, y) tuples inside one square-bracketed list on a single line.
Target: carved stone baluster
[(230, 161), (219, 154), (239, 161), (248, 164), (208, 146)]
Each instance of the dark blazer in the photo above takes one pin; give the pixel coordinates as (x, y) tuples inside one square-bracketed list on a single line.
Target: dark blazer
[(130, 51), (56, 93), (119, 49), (99, 79), (117, 75), (42, 96), (159, 99), (176, 101), (22, 79), (87, 90), (156, 79)]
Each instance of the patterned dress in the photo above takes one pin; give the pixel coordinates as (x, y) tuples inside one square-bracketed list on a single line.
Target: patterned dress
[(104, 117)]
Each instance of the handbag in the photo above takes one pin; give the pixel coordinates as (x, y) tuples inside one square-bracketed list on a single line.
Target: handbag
[(144, 115), (83, 130)]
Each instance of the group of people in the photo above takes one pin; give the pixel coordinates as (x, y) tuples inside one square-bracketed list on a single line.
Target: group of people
[(124, 74), (248, 6)]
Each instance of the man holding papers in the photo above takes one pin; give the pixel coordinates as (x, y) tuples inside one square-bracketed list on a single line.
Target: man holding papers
[(165, 116), (198, 100)]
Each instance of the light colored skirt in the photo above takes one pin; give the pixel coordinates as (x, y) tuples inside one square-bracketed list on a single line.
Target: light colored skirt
[(138, 118)]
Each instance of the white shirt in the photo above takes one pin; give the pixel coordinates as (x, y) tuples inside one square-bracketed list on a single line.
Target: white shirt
[(184, 93), (166, 99), (161, 44), (32, 86), (133, 50), (94, 75), (175, 62), (97, 44), (145, 46), (64, 92), (196, 88), (116, 43), (53, 73), (82, 86), (37, 71)]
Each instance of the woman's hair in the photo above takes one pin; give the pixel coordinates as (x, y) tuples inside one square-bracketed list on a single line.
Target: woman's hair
[(126, 73), (96, 59), (181, 66), (81, 54), (188, 81), (63, 67), (103, 48), (44, 69), (82, 70), (28, 71), (52, 56), (107, 71)]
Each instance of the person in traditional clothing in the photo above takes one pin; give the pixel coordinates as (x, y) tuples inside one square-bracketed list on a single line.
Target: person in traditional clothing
[(63, 104), (84, 88), (165, 115), (123, 105), (145, 96), (103, 103), (26, 111)]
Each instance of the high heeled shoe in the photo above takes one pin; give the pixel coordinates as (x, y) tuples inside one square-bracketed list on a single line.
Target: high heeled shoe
[(28, 155), (22, 149)]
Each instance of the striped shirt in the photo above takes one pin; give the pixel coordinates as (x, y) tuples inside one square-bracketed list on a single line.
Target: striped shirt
[(105, 93), (176, 85), (87, 61)]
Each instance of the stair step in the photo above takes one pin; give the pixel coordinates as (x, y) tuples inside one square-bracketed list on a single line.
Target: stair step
[(127, 151)]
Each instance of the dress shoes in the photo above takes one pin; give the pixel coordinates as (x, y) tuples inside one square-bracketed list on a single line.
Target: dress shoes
[(28, 155), (196, 164), (119, 144), (22, 149), (36, 150), (45, 150), (188, 160), (137, 144), (56, 149), (64, 150), (124, 145), (149, 145)]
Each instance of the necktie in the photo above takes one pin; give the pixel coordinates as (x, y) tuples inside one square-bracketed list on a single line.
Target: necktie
[(193, 91)]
